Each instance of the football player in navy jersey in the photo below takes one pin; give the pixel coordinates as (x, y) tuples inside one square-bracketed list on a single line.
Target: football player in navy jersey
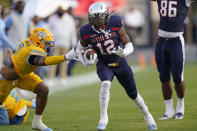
[(170, 53), (106, 35)]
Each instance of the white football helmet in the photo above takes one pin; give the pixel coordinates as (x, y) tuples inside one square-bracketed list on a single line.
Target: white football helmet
[(98, 15)]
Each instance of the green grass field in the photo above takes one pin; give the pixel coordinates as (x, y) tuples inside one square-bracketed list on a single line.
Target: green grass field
[(78, 109)]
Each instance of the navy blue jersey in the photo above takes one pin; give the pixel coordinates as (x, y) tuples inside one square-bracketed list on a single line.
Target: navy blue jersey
[(172, 15), (104, 42)]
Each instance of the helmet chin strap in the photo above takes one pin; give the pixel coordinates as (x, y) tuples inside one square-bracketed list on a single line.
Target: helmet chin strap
[(100, 30), (97, 31), (105, 32)]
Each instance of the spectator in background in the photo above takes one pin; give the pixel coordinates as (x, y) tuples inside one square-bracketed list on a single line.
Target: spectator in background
[(77, 20), (134, 22), (17, 24), (62, 26), (4, 41), (38, 22)]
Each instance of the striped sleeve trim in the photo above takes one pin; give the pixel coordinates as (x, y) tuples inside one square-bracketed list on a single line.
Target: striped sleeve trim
[(35, 52)]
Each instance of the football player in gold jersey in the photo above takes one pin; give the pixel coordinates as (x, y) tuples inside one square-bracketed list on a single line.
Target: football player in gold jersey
[(17, 109), (18, 71)]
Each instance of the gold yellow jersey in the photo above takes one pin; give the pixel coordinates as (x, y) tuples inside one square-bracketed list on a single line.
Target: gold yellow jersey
[(21, 56), (14, 104)]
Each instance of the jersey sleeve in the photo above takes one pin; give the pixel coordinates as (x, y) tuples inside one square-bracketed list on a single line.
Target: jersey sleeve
[(34, 55), (38, 52), (117, 21), (84, 35)]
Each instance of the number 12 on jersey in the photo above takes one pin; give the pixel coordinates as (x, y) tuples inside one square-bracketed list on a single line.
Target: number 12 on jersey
[(109, 46)]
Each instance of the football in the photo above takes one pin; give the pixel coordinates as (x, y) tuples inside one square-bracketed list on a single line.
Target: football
[(88, 52)]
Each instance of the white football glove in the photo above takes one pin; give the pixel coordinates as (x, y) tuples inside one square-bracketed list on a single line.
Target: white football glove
[(92, 59), (119, 52), (72, 55)]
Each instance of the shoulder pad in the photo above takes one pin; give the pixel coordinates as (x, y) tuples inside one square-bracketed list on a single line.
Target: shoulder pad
[(116, 21), (38, 52), (84, 31)]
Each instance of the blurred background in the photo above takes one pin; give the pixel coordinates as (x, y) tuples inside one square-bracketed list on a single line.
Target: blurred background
[(76, 109)]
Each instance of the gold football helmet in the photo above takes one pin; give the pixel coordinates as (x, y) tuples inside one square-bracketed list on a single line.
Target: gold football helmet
[(43, 38)]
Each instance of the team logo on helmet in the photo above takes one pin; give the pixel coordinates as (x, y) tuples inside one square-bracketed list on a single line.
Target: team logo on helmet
[(43, 38), (41, 35)]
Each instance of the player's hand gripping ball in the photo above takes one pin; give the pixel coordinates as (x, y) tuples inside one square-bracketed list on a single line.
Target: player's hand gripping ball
[(88, 52), (90, 55)]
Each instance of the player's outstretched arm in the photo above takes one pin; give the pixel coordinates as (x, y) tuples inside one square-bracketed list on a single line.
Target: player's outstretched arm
[(52, 60), (125, 40)]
